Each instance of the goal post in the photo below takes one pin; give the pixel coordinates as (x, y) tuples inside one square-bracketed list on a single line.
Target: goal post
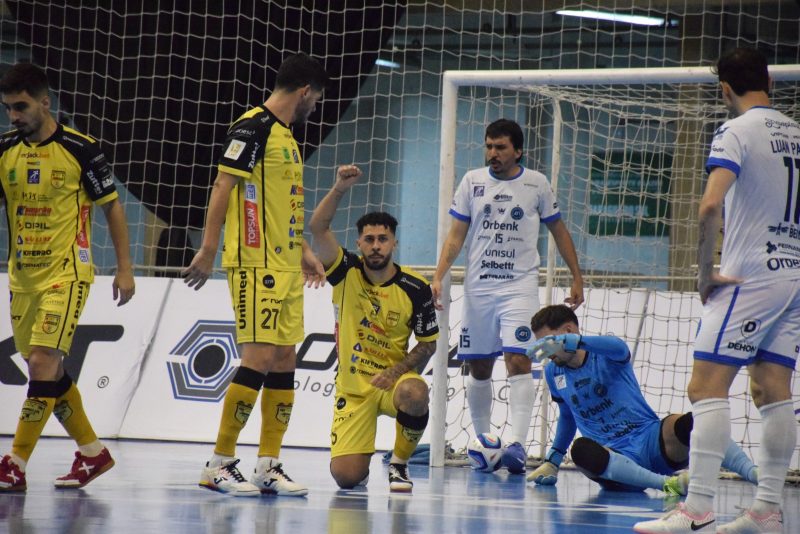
[(632, 107)]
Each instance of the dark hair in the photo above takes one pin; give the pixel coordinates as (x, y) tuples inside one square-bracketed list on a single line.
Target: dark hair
[(553, 317), (745, 69), (300, 70), (25, 77), (506, 128), (377, 218)]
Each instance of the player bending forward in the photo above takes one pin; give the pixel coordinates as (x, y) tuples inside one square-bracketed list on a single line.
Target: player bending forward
[(624, 445)]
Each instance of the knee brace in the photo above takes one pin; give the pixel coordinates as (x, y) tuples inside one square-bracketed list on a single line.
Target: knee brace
[(589, 455), (683, 427)]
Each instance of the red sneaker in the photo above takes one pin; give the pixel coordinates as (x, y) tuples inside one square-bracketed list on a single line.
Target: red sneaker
[(85, 469), (12, 478)]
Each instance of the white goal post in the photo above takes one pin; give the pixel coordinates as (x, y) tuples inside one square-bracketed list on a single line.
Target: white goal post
[(530, 80)]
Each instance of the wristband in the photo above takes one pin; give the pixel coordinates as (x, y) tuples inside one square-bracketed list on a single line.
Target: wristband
[(554, 457)]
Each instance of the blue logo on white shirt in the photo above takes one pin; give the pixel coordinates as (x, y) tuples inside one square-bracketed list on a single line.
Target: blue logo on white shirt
[(517, 213)]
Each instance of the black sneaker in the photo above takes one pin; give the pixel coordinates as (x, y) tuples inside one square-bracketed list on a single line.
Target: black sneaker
[(399, 479)]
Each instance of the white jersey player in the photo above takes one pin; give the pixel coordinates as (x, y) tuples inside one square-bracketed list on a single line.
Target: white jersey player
[(751, 313), (497, 211)]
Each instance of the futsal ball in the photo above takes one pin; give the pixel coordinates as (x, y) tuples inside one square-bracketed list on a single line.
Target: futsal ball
[(485, 452)]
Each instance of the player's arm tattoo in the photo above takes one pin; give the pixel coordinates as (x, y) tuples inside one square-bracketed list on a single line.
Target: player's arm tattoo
[(416, 359)]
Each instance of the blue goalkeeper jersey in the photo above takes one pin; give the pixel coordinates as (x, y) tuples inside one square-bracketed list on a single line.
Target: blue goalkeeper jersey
[(602, 395)]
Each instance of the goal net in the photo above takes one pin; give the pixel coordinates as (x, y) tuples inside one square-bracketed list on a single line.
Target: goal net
[(625, 151)]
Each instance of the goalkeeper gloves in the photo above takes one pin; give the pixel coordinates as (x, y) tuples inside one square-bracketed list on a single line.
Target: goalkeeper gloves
[(548, 346), (547, 473)]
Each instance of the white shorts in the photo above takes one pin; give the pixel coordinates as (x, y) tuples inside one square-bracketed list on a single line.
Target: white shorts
[(742, 324), (494, 324)]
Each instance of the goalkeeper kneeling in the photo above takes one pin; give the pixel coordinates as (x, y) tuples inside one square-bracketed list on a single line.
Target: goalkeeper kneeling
[(624, 445)]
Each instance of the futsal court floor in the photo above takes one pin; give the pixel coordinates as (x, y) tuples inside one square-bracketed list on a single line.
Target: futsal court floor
[(153, 488)]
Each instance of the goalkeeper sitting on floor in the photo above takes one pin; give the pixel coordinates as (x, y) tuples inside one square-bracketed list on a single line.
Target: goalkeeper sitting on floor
[(624, 445)]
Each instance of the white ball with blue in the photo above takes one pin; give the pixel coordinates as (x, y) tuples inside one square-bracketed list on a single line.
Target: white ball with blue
[(485, 452)]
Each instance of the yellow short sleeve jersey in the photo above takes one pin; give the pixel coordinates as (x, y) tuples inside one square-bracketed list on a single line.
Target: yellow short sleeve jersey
[(374, 323), (49, 189), (264, 222)]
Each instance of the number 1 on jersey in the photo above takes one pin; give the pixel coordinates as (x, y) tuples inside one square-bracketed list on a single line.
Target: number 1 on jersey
[(791, 165)]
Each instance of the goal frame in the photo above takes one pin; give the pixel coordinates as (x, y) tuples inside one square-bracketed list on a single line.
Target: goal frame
[(451, 82)]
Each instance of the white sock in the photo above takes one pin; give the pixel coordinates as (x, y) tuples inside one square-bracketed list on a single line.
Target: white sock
[(520, 400), (266, 462), (91, 449), (778, 439), (396, 460), (22, 464), (709, 440), (479, 400), (218, 460)]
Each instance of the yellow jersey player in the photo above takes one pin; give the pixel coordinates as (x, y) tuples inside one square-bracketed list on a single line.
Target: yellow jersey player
[(50, 176), (258, 195), (378, 305)]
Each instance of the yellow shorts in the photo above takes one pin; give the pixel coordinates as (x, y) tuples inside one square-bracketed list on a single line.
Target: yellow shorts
[(355, 418), (47, 318), (267, 305)]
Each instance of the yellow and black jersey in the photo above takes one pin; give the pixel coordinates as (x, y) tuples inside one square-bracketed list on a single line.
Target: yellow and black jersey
[(264, 222), (49, 189), (373, 323)]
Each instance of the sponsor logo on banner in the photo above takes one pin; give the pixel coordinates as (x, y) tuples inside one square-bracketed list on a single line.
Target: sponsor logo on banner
[(206, 358), (85, 335), (204, 361), (252, 236)]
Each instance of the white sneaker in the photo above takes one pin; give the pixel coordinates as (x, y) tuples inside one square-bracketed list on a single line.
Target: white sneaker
[(226, 478), (270, 478), (750, 523), (399, 479), (677, 521)]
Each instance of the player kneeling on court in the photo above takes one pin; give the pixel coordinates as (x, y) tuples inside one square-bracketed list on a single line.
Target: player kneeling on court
[(624, 445), (378, 305)]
